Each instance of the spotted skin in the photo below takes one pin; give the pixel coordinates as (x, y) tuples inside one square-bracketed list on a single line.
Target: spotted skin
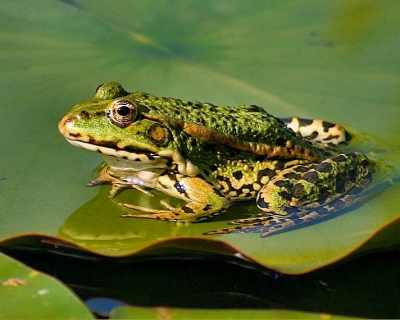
[(211, 156), (267, 223), (203, 200), (319, 131)]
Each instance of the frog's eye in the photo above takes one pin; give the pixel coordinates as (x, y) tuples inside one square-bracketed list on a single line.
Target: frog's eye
[(123, 113)]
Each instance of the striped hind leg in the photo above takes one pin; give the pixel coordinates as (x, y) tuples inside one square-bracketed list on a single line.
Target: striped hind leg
[(329, 205), (319, 131), (267, 224)]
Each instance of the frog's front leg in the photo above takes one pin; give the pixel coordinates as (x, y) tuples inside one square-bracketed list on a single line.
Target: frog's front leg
[(203, 200)]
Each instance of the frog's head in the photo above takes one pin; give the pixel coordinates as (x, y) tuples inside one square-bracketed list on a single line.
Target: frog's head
[(112, 124)]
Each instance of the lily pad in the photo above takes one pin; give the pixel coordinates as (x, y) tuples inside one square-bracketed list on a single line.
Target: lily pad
[(29, 294), (330, 60), (177, 274), (168, 313)]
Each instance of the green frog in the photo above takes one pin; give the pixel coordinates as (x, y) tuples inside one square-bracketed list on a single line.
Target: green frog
[(211, 156)]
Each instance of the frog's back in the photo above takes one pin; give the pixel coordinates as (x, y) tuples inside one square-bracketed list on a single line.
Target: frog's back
[(219, 118), (247, 127)]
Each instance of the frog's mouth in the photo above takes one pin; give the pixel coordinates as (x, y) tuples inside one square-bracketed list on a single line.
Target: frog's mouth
[(128, 158), (130, 154)]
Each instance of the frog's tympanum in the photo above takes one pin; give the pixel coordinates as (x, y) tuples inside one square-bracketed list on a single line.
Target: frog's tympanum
[(211, 156)]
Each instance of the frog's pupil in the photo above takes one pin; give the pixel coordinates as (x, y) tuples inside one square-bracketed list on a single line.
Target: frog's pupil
[(124, 111)]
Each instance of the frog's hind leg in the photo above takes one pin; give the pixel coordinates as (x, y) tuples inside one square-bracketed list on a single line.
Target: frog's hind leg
[(313, 185), (286, 200), (269, 224), (319, 131)]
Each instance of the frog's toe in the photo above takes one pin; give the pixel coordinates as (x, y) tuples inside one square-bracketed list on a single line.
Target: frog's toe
[(172, 214), (266, 226), (255, 225), (191, 212), (220, 231), (161, 215), (256, 220)]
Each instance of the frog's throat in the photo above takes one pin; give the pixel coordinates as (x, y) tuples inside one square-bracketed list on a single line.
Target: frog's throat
[(207, 135)]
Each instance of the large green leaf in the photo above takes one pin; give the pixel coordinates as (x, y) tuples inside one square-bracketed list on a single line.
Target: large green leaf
[(165, 313), (333, 60), (176, 273), (29, 294)]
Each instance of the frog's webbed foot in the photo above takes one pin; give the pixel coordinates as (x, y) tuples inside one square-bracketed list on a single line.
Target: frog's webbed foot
[(171, 214), (117, 187), (191, 212), (266, 223), (151, 213)]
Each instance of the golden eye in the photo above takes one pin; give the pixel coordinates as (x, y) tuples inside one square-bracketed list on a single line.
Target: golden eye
[(123, 113)]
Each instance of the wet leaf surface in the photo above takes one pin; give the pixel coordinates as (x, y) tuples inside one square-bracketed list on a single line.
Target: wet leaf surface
[(335, 61), (29, 294)]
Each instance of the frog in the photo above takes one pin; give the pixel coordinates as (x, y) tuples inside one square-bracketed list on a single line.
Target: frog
[(212, 156)]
